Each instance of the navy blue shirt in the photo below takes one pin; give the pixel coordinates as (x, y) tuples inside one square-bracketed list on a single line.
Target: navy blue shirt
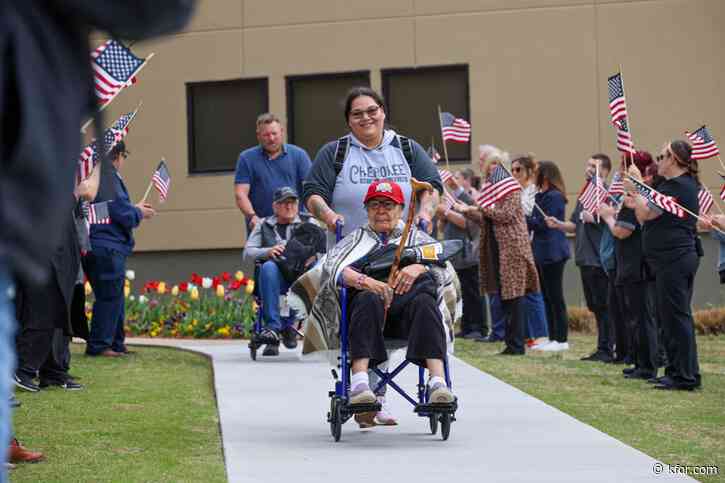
[(550, 245), (264, 175), (118, 235)]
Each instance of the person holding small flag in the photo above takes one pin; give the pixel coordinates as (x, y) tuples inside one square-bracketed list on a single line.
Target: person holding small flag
[(105, 265), (672, 250), (506, 261)]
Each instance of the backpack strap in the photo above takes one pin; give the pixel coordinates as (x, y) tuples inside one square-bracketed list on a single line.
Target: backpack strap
[(343, 146), (407, 147)]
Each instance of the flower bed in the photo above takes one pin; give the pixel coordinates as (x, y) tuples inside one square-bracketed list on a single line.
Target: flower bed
[(202, 307)]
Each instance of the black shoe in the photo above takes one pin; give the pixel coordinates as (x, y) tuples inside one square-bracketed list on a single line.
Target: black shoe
[(289, 337), (68, 385), (510, 352), (639, 374), (25, 384), (628, 370), (490, 339), (271, 350), (655, 380), (598, 356)]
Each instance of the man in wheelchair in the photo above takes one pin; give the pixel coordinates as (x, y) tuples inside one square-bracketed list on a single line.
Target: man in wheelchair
[(407, 309), (266, 246)]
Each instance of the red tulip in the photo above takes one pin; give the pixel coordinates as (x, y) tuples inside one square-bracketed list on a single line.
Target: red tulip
[(183, 287), (226, 276)]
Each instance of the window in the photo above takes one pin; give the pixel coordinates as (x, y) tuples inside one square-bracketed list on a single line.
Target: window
[(412, 97), (222, 119), (316, 107)]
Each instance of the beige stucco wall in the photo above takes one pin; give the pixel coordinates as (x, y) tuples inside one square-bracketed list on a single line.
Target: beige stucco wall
[(538, 73)]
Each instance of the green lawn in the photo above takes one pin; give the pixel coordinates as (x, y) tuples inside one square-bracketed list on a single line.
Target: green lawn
[(676, 427), (149, 417)]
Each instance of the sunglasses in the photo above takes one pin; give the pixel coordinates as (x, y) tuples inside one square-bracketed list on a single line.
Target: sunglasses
[(663, 156), (376, 205), (517, 169), (370, 111)]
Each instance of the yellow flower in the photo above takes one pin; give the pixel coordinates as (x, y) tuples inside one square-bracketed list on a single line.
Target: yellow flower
[(250, 287), (239, 275), (220, 291), (175, 290), (126, 291), (88, 288), (194, 322), (194, 293), (153, 333), (223, 331), (126, 283), (162, 288), (254, 306)]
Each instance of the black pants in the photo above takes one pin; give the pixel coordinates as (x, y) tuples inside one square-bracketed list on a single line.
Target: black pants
[(596, 290), (641, 325), (514, 312), (475, 310), (35, 355), (674, 284), (661, 352), (622, 321), (551, 276), (413, 316)]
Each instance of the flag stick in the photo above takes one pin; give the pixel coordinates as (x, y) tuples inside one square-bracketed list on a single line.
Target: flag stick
[(624, 93), (135, 73), (721, 163), (148, 190), (445, 149)]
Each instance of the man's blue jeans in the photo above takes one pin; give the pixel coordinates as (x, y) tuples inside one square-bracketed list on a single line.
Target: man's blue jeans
[(7, 362), (536, 324), (271, 286), (498, 321), (106, 271)]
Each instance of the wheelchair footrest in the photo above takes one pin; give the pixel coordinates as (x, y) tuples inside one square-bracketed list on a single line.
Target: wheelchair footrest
[(447, 408), (362, 408)]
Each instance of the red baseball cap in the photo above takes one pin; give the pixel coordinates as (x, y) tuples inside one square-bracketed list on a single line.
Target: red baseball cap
[(383, 188)]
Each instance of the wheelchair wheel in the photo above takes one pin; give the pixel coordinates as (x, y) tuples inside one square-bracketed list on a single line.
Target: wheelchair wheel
[(335, 418), (445, 426), (433, 421)]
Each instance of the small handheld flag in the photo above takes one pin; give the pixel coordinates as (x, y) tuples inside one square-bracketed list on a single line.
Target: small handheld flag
[(162, 180), (703, 145), (98, 214), (501, 183), (114, 67), (454, 129)]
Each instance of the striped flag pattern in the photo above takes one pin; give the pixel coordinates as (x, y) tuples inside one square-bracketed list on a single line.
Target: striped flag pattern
[(454, 129), (500, 184), (434, 155), (88, 159), (667, 203), (161, 181), (114, 66), (617, 186), (703, 145), (617, 102), (98, 214), (593, 194), (445, 175), (624, 137), (705, 200)]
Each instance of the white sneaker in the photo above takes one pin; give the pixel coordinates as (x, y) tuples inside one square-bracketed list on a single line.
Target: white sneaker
[(540, 345), (552, 346), (563, 346)]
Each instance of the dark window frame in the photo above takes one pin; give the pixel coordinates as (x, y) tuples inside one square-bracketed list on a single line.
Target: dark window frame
[(290, 79), (385, 75), (191, 142)]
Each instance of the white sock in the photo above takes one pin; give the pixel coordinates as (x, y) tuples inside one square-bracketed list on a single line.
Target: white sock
[(359, 378), (435, 380)]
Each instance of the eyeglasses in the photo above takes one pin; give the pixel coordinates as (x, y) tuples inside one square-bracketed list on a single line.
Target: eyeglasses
[(371, 111), (663, 156), (517, 169), (376, 205)]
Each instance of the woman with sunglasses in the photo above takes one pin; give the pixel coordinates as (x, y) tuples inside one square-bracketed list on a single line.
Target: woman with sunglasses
[(672, 252)]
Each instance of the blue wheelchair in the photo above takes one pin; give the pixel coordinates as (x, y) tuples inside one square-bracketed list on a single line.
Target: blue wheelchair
[(256, 341), (340, 408)]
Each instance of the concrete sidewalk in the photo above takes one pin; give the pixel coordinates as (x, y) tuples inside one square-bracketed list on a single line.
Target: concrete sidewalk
[(272, 415)]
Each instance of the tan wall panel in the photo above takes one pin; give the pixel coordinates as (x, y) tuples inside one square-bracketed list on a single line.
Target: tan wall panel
[(430, 7), (673, 71), (264, 13), (216, 14), (528, 93), (182, 230), (328, 47)]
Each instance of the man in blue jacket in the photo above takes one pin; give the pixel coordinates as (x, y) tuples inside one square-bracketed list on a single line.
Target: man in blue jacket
[(105, 265)]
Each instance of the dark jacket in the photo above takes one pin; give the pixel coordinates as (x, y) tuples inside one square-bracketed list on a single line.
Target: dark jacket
[(549, 245), (117, 235), (46, 91), (470, 235)]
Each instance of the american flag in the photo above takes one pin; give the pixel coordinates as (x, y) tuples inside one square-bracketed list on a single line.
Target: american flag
[(98, 214), (593, 194), (434, 155), (617, 103), (88, 159), (114, 134), (162, 180), (455, 129), (445, 175), (624, 137), (703, 145), (617, 186), (500, 184), (705, 200), (667, 203), (113, 66)]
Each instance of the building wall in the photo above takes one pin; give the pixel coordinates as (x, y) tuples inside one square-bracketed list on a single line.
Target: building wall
[(538, 72)]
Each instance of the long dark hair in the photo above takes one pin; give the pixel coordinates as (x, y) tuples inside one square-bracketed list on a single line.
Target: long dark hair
[(360, 91), (682, 152), (549, 171)]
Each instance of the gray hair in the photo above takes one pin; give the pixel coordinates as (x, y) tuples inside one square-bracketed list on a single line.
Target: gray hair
[(267, 118), (490, 153)]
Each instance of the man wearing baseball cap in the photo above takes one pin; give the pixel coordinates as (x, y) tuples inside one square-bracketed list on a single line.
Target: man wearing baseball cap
[(267, 242)]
